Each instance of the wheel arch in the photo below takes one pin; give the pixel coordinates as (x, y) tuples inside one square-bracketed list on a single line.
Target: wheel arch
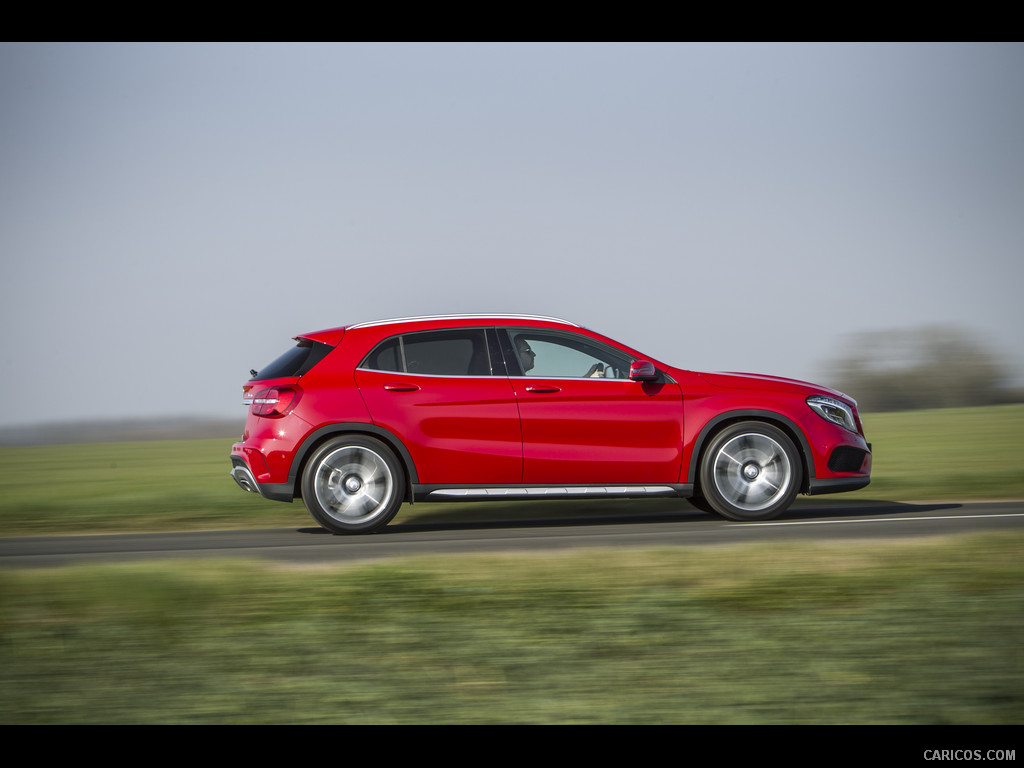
[(723, 420), (319, 436)]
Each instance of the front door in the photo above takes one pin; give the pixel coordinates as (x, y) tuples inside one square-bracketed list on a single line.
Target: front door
[(584, 421)]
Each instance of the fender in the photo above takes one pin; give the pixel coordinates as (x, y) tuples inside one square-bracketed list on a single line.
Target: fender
[(772, 417), (290, 490)]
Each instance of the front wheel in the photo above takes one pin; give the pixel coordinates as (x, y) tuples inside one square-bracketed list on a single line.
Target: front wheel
[(353, 485), (750, 471)]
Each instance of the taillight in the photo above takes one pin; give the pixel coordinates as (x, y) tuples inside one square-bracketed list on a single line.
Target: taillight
[(274, 401)]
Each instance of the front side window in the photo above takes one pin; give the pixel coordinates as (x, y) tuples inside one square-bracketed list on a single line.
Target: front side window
[(558, 355), (458, 352)]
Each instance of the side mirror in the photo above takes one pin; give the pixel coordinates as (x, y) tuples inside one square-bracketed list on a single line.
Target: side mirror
[(642, 370)]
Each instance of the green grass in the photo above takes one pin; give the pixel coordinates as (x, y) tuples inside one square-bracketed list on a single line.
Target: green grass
[(975, 453), (130, 486), (954, 453), (903, 633)]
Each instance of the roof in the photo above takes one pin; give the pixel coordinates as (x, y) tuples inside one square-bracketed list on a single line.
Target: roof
[(333, 336)]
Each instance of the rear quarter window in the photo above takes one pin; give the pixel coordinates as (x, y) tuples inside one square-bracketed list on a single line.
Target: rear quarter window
[(385, 357)]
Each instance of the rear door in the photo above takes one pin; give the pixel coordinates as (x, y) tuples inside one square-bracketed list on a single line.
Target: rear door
[(444, 393)]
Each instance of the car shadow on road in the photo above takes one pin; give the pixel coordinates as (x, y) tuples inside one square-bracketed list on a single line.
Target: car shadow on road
[(470, 516)]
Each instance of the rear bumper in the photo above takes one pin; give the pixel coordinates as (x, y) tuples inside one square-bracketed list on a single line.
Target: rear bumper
[(242, 474)]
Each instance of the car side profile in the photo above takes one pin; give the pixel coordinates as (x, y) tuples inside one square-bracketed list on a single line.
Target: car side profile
[(359, 419)]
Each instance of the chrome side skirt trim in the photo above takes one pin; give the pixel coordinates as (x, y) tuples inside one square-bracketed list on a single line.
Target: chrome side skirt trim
[(553, 492)]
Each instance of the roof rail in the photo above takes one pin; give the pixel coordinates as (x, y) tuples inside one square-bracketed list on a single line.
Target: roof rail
[(493, 316)]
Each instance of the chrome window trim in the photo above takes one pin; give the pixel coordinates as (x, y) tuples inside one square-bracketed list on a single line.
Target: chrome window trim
[(442, 375), (493, 376), (570, 378)]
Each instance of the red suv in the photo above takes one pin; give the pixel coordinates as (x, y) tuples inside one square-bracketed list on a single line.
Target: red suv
[(355, 420)]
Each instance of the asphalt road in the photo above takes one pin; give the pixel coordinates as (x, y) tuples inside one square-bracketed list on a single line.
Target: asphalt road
[(313, 545)]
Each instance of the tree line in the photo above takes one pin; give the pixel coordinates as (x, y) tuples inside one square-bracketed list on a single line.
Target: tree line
[(927, 367)]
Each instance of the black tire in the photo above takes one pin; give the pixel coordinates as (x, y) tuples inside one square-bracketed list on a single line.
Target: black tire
[(750, 471), (353, 484)]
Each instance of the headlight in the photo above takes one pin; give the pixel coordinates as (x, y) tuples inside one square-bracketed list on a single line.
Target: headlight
[(833, 410)]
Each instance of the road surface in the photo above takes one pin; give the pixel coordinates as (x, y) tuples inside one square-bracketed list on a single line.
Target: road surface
[(312, 545)]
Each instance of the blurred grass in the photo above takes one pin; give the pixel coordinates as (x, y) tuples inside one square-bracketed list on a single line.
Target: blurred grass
[(928, 632), (952, 453), (970, 453), (129, 486)]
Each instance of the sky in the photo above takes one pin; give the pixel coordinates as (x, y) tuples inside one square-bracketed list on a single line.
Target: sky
[(171, 215)]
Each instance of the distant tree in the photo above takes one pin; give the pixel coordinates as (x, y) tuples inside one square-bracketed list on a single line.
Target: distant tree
[(926, 367)]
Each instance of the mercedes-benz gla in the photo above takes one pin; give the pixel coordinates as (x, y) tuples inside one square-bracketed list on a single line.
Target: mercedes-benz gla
[(358, 419)]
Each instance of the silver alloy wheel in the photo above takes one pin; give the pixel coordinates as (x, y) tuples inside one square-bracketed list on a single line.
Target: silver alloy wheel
[(752, 471), (353, 484)]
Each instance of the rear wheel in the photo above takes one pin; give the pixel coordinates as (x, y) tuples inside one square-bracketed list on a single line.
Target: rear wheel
[(750, 471), (353, 484)]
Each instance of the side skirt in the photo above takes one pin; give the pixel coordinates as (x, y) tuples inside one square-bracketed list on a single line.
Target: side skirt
[(423, 492)]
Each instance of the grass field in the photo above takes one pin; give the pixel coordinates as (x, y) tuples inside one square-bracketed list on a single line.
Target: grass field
[(955, 453), (924, 632)]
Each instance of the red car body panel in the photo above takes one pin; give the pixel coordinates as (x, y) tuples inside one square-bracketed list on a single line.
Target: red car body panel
[(458, 430), (509, 429), (599, 430)]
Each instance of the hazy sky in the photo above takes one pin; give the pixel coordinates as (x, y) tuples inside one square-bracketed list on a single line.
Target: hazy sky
[(171, 215)]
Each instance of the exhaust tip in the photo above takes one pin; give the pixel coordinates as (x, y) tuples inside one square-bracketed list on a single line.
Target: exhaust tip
[(245, 480)]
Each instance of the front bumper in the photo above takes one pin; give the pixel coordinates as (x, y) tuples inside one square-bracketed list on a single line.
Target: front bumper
[(817, 486), (852, 464)]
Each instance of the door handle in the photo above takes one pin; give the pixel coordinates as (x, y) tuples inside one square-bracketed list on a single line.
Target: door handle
[(401, 387), (543, 388)]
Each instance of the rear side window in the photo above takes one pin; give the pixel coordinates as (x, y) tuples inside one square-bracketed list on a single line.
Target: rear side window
[(297, 361), (386, 356), (461, 352)]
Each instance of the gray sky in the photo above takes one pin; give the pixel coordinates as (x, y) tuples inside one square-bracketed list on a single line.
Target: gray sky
[(171, 215)]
